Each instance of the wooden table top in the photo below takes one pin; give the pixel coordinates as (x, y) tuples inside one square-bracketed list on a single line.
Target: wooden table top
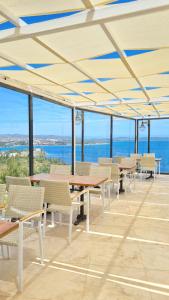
[(7, 227), (72, 179)]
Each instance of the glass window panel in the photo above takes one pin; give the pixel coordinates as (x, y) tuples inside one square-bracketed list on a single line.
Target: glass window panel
[(123, 137), (159, 142), (52, 135), (14, 141), (97, 136)]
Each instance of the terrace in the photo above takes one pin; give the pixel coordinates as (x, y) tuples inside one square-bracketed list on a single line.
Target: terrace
[(82, 80)]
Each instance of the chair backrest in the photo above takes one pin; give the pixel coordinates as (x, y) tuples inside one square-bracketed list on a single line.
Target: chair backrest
[(104, 160), (115, 171), (2, 192), (149, 154), (128, 161), (83, 168), (10, 180), (24, 199), (135, 155), (117, 159), (104, 171), (147, 162), (60, 169), (56, 192)]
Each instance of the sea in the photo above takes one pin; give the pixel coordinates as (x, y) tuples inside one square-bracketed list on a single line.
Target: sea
[(93, 151)]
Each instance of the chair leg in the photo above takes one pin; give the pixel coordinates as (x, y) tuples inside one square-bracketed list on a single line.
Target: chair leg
[(40, 242), (52, 219), (60, 219), (87, 213), (103, 196), (8, 252), (70, 225), (118, 190), (20, 257), (44, 219)]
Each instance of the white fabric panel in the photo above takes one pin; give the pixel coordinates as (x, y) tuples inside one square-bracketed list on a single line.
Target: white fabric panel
[(29, 51), (156, 80), (150, 63), (144, 31), (79, 43), (131, 94), (32, 7), (101, 97), (85, 87), (52, 88), (4, 63), (24, 76), (120, 84), (61, 73), (112, 68), (158, 92)]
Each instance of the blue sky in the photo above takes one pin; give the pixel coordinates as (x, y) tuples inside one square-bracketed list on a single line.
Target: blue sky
[(53, 119)]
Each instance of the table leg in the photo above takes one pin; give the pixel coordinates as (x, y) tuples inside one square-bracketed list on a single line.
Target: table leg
[(81, 217), (150, 176), (121, 189)]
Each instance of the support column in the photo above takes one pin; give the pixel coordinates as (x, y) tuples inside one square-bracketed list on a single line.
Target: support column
[(82, 133), (111, 136), (30, 118), (148, 136), (135, 140), (73, 141)]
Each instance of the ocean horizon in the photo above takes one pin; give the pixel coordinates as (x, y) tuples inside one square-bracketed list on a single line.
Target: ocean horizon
[(93, 151)]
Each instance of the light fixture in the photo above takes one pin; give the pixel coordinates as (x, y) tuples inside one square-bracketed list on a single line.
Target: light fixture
[(143, 125), (79, 116)]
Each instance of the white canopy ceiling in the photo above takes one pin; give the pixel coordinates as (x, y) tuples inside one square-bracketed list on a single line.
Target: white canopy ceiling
[(108, 56)]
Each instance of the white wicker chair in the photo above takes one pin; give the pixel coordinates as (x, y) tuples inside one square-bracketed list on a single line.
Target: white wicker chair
[(149, 154), (117, 159), (60, 169), (104, 160), (116, 177), (25, 203), (59, 199), (102, 171), (83, 168), (11, 180), (2, 193), (148, 164), (129, 175)]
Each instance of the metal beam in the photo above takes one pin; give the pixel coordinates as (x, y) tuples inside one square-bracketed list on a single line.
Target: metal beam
[(30, 119), (86, 18), (148, 136), (111, 136), (73, 141), (126, 64), (7, 14), (83, 129)]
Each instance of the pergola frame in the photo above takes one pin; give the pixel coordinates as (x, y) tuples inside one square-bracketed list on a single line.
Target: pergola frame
[(89, 17)]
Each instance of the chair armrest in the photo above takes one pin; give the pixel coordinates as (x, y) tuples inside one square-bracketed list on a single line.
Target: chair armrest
[(2, 206), (31, 215), (80, 193)]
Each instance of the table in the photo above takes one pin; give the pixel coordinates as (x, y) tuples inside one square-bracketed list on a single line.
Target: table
[(81, 181), (158, 161), (7, 227), (127, 167)]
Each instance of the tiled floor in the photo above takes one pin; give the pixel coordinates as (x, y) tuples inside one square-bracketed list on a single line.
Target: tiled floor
[(125, 256)]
